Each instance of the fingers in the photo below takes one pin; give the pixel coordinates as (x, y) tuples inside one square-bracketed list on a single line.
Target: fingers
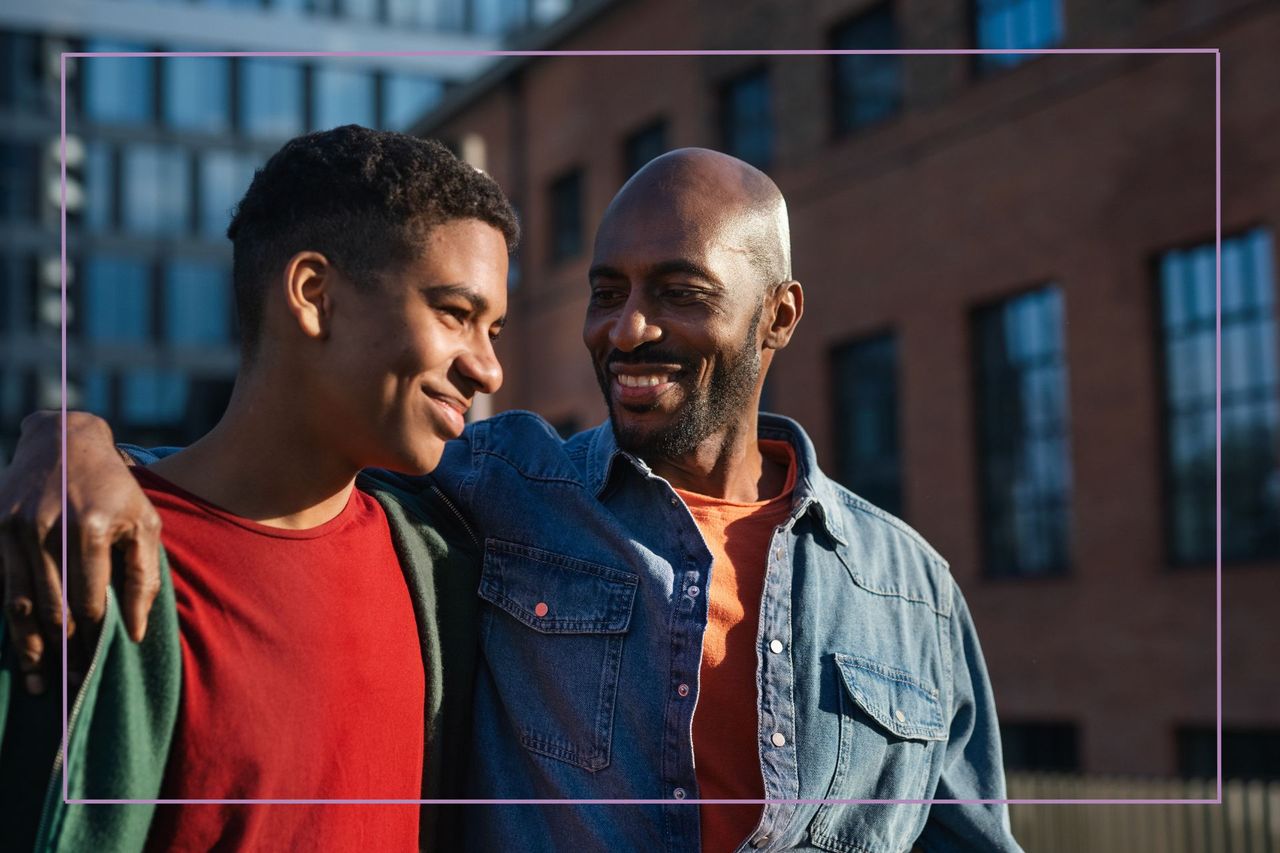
[(141, 576), (89, 568), (20, 607)]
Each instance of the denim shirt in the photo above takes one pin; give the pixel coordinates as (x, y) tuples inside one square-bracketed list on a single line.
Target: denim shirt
[(870, 680)]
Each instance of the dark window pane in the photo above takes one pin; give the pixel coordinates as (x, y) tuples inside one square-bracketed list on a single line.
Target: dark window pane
[(866, 88), (1246, 753), (19, 181), (197, 93), (152, 397), (116, 300), (1022, 429), (156, 183), (643, 145), (271, 104), (1051, 747), (224, 178), (99, 187), (342, 96), (866, 410), (118, 90), (407, 98), (24, 83), (746, 118), (566, 216), (197, 303), (1010, 24), (1250, 400)]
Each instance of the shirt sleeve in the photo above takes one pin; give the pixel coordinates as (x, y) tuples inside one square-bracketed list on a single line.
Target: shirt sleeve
[(973, 768)]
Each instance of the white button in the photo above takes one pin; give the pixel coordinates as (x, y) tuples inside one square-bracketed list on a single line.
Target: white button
[(693, 592), (775, 646), (675, 501), (679, 793), (778, 739), (899, 716), (683, 690), (760, 840)]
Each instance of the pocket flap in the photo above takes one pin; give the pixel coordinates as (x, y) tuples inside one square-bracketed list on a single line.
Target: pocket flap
[(556, 594), (897, 700)]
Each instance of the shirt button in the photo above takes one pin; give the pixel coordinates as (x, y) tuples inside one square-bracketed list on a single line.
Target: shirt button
[(899, 716), (778, 739), (760, 840), (678, 793), (540, 609), (775, 646), (683, 690), (675, 501), (693, 592)]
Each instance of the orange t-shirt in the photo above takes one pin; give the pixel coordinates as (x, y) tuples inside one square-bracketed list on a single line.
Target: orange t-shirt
[(725, 725)]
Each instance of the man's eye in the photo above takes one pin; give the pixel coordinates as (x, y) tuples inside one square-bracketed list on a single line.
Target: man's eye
[(604, 295)]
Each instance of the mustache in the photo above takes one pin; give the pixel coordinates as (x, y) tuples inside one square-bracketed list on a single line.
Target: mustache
[(648, 355)]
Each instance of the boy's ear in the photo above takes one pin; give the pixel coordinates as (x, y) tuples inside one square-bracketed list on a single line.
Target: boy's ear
[(308, 284)]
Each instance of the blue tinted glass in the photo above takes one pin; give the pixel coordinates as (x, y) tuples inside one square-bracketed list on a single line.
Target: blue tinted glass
[(748, 120), (363, 10), (99, 186), (116, 300), (95, 391), (224, 178), (197, 93), (1010, 24), (153, 397), (271, 104), (867, 87), (156, 187), (407, 98), (118, 89), (197, 304), (343, 96), (866, 420)]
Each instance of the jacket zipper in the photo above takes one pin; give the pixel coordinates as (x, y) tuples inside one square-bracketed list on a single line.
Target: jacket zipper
[(458, 515), (60, 758)]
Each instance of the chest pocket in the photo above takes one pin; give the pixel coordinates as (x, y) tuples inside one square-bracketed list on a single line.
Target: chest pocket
[(553, 634), (891, 724)]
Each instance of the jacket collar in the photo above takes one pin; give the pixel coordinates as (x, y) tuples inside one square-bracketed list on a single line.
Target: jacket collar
[(813, 488)]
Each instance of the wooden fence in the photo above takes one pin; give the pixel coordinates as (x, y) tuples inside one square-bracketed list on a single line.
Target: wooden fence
[(1248, 821)]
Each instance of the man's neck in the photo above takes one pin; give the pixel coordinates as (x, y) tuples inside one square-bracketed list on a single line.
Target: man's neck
[(262, 462), (727, 465)]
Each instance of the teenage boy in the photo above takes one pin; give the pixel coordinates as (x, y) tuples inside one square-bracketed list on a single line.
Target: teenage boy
[(294, 652)]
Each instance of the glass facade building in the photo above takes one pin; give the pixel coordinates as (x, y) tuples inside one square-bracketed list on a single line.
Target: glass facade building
[(159, 152)]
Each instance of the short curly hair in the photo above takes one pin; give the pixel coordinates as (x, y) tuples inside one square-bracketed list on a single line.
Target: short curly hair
[(363, 198)]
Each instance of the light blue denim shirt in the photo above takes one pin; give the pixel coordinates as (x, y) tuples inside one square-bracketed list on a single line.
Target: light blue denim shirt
[(871, 683)]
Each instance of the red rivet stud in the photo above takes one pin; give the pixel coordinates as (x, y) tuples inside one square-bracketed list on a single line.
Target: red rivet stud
[(540, 609)]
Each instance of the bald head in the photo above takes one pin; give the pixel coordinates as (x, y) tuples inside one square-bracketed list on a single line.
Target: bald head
[(720, 198)]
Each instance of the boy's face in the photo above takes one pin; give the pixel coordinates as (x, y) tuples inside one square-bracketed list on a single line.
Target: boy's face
[(407, 355)]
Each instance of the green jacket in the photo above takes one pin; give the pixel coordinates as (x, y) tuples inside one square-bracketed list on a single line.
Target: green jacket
[(121, 722)]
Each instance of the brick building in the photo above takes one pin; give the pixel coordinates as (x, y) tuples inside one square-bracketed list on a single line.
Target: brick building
[(1009, 329)]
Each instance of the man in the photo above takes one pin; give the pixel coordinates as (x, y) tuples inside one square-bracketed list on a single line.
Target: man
[(678, 605), (292, 655)]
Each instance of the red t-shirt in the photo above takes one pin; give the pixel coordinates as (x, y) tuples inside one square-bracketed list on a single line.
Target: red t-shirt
[(302, 679), (726, 734)]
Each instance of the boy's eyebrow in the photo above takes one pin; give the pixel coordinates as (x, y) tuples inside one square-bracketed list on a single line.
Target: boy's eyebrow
[(479, 304)]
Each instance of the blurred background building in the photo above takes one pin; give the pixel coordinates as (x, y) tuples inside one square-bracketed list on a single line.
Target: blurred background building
[(158, 151), (1009, 335)]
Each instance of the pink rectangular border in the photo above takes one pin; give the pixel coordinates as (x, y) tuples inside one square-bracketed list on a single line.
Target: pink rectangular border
[(1217, 54)]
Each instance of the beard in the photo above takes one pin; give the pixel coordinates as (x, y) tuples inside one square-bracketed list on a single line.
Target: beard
[(725, 400)]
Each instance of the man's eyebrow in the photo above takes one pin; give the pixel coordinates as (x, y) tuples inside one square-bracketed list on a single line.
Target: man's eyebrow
[(660, 269)]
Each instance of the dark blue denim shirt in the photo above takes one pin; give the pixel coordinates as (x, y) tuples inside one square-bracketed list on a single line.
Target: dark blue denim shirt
[(871, 683)]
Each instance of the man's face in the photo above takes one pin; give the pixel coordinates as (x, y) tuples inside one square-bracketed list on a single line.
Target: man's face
[(408, 353), (673, 326)]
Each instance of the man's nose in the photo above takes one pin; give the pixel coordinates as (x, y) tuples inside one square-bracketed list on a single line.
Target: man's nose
[(633, 327)]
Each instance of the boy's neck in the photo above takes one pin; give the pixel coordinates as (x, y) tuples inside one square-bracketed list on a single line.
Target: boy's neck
[(263, 462)]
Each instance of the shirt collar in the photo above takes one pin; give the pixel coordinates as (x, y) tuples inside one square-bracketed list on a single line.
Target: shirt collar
[(813, 488)]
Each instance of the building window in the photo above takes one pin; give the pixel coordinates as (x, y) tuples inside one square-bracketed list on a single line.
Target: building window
[(343, 96), (156, 183), (1250, 400), (1009, 24), (20, 189), (100, 187), (197, 93), (643, 145), (746, 118), (566, 216), (271, 100), (1023, 434), (152, 396), (1043, 747), (118, 90), (197, 303), (868, 459), (866, 88), (224, 178), (407, 98), (1246, 753), (23, 81), (116, 300)]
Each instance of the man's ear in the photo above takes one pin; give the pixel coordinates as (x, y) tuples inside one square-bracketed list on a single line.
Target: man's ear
[(308, 293), (784, 308)]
